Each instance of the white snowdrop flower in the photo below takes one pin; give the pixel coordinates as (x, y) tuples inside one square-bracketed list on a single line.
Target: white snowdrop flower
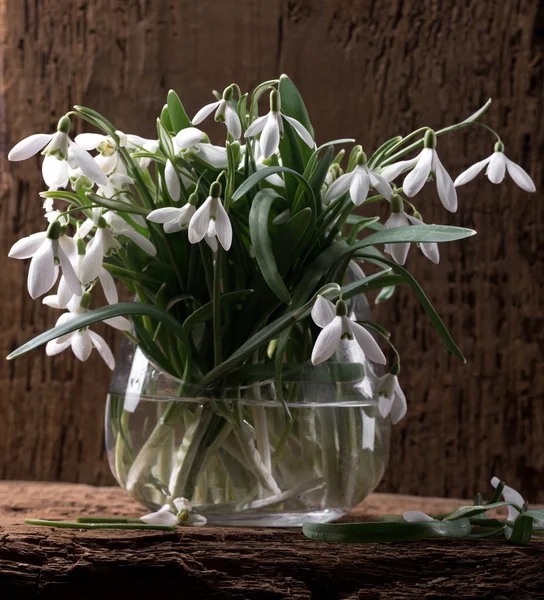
[(270, 127), (109, 160), (179, 512), (399, 218), (136, 143), (48, 205), (211, 222), (422, 165), (497, 165), (510, 495), (172, 181), (392, 399), (55, 164), (358, 183), (174, 219), (191, 142), (337, 326), (223, 113), (49, 250)]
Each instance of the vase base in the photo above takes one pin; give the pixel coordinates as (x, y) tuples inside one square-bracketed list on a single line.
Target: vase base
[(279, 519)]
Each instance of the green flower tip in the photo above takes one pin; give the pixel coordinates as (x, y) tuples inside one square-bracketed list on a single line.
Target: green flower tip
[(275, 101), (64, 125), (341, 308), (54, 230), (102, 223), (228, 93), (86, 300), (183, 515), (360, 159), (429, 141), (395, 369), (417, 215), (499, 147), (193, 199), (215, 189), (397, 204)]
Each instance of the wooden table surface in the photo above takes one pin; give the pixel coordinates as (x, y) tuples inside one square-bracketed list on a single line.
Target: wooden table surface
[(230, 563)]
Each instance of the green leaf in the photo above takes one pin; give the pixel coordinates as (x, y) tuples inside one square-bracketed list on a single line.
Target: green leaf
[(165, 118), (116, 205), (359, 533), (165, 140), (99, 314), (385, 294), (205, 312), (417, 233), (522, 530), (293, 105), (101, 121), (287, 243), (259, 217), (472, 511), (263, 174), (437, 322), (178, 117)]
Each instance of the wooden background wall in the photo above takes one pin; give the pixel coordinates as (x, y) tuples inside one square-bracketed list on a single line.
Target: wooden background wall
[(366, 69)]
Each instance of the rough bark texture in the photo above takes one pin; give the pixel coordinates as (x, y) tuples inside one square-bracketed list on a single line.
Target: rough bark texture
[(242, 563), (369, 70)]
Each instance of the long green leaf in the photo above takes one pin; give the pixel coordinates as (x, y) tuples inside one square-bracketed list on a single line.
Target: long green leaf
[(178, 116), (293, 105), (287, 243), (417, 233), (117, 205), (205, 312), (102, 122), (259, 217), (263, 174), (473, 510)]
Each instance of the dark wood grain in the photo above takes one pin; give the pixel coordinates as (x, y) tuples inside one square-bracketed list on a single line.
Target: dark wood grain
[(367, 69)]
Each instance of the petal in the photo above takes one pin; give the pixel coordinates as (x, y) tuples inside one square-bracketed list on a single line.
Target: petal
[(430, 251), (29, 146), (399, 251), (327, 341), (140, 240), (92, 261), (172, 227), (417, 178), (256, 127), (510, 495), (121, 323), (270, 137), (64, 294), (188, 137), (198, 225), (212, 242), (338, 188), (26, 247), (108, 285), (471, 172), (89, 141), (367, 343), (42, 273), (520, 176), (223, 226), (195, 520), (446, 190), (82, 345), (55, 347), (323, 311), (103, 349), (301, 130), (497, 167), (216, 156), (413, 516), (68, 272), (358, 189), (85, 228), (384, 406), (88, 165), (393, 171), (182, 504), (54, 172), (234, 126), (381, 185), (161, 517), (398, 408), (163, 215), (172, 181), (205, 111)]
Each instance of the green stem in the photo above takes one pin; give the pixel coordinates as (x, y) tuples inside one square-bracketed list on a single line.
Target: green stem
[(217, 309), (118, 525)]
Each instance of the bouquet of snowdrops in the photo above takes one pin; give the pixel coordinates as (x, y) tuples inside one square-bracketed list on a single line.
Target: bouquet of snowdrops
[(237, 254)]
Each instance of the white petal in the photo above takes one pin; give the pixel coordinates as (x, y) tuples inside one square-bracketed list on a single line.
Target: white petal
[(384, 406), (164, 516), (89, 141), (108, 285), (233, 122), (399, 251), (510, 495), (188, 137), (68, 272), (140, 240), (198, 226), (82, 345), (215, 156), (368, 344), (446, 190), (212, 242), (417, 178), (520, 176), (398, 408), (107, 164), (323, 311), (172, 181), (103, 349), (327, 341), (301, 130), (54, 172), (55, 347), (26, 247), (92, 261), (413, 516), (121, 323), (88, 165), (338, 188), (391, 172), (430, 250), (195, 520), (256, 127), (270, 137), (471, 172), (358, 189), (223, 226), (42, 273), (381, 185), (205, 111), (85, 228), (182, 504), (497, 167), (29, 146), (163, 215), (64, 294), (172, 226)]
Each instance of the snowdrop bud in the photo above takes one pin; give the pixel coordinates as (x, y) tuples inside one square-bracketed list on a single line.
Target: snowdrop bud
[(228, 93), (341, 308), (275, 101), (417, 215), (193, 199), (215, 189), (54, 230), (499, 147), (81, 249), (395, 369), (86, 300), (64, 125), (101, 223), (397, 205), (429, 141)]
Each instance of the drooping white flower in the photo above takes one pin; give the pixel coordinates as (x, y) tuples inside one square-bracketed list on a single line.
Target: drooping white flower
[(392, 399), (180, 512), (270, 127), (58, 146), (510, 495), (422, 165), (399, 218), (108, 159), (211, 222), (224, 113), (336, 326), (497, 165), (49, 250), (358, 183), (173, 219)]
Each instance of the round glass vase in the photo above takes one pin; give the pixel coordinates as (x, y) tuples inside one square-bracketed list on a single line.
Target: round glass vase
[(239, 454)]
